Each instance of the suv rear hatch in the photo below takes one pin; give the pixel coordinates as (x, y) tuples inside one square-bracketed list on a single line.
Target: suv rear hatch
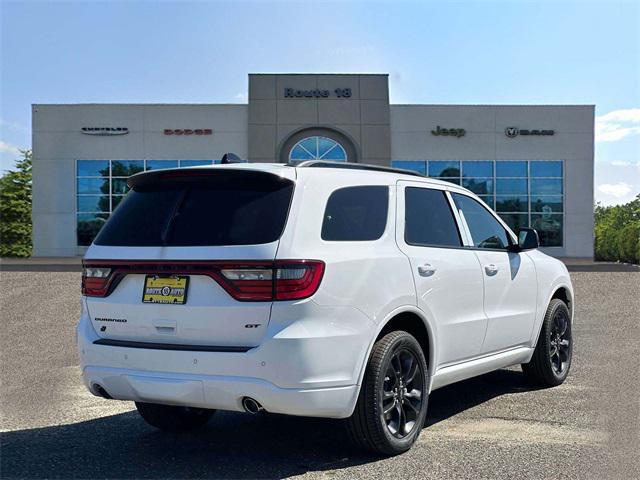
[(188, 258)]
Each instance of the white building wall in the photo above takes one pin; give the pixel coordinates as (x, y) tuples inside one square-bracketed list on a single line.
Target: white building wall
[(485, 139), (58, 143)]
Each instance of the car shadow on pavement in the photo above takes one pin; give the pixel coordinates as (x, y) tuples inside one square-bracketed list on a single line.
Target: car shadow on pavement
[(233, 445)]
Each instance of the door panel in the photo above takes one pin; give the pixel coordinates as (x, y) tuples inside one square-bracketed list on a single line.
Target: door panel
[(448, 279), (510, 285), (509, 298)]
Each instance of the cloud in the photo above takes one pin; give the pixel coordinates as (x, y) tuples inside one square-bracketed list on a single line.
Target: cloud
[(8, 148), (243, 97), (618, 190), (618, 124)]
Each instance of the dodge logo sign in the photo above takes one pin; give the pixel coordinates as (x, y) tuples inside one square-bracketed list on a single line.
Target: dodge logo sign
[(513, 132), (104, 130), (188, 131)]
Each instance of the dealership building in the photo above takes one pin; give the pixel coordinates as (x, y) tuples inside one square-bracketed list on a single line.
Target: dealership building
[(533, 164)]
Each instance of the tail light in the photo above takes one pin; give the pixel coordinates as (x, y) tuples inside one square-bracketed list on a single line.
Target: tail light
[(95, 281), (252, 281), (281, 280)]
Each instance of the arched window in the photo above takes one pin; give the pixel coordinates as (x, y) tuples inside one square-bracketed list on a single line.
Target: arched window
[(317, 148)]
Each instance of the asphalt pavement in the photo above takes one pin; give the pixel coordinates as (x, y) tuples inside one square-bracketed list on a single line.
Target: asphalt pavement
[(493, 426)]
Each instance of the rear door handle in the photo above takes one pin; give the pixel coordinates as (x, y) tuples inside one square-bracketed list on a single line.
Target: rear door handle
[(491, 269), (426, 270)]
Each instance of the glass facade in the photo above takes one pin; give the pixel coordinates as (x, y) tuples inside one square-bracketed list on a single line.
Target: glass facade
[(523, 192), (101, 185)]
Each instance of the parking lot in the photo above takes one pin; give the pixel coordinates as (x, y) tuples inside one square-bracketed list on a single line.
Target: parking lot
[(494, 426)]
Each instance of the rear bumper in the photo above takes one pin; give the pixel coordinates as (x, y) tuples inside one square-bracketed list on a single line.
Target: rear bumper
[(309, 363), (219, 392)]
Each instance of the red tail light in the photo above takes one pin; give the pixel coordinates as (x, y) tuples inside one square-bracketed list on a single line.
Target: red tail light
[(244, 280)]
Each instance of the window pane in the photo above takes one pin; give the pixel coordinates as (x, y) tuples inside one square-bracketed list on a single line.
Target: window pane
[(160, 164), (119, 186), (511, 169), (486, 231), (515, 220), (512, 203), (546, 204), (337, 153), (115, 201), (488, 199), (195, 163), (479, 186), (511, 186), (546, 186), (311, 146), (93, 168), (126, 168), (93, 185), (93, 203), (450, 180), (299, 154), (549, 227), (546, 169), (428, 219), (356, 214), (416, 166), (477, 169), (324, 145), (444, 169), (232, 207), (89, 224)]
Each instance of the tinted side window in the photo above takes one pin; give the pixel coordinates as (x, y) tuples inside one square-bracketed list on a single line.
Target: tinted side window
[(356, 214), (486, 231), (428, 219)]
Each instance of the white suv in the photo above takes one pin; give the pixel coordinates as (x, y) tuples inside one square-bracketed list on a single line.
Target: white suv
[(323, 289)]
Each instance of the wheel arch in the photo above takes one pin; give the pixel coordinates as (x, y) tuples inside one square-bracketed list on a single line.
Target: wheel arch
[(412, 320)]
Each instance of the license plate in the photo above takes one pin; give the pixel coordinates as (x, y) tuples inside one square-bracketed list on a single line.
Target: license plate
[(171, 289)]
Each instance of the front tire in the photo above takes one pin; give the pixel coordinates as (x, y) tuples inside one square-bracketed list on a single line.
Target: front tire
[(551, 359), (173, 418), (392, 404)]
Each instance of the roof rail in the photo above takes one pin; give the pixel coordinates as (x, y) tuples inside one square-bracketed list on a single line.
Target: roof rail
[(354, 166)]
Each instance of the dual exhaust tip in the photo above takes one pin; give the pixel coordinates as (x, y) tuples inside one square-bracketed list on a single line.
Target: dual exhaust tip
[(252, 406)]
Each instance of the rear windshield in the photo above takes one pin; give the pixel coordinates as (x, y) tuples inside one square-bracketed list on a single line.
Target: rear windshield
[(222, 208)]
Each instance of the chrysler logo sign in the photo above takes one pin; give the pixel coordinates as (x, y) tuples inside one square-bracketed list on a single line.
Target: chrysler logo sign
[(513, 132), (105, 130)]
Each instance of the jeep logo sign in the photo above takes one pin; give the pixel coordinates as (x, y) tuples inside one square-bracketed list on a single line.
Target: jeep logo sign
[(513, 132), (451, 132)]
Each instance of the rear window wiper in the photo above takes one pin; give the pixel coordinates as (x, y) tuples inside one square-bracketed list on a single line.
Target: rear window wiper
[(174, 213)]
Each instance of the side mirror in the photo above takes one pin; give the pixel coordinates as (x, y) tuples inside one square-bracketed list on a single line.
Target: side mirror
[(528, 239)]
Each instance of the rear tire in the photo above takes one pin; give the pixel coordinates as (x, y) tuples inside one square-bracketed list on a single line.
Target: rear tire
[(392, 404), (551, 359), (172, 418)]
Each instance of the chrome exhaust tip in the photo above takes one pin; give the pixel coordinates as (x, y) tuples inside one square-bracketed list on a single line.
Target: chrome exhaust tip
[(101, 392), (251, 406)]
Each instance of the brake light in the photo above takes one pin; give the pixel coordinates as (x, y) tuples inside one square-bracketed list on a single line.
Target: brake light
[(95, 281), (281, 280)]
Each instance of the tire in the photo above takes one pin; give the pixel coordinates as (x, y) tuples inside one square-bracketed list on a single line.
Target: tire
[(173, 419), (551, 360), (387, 386)]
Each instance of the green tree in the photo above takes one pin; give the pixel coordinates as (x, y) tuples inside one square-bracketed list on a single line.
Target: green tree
[(617, 232), (15, 209)]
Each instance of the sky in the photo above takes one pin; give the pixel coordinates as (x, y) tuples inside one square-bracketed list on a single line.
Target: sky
[(460, 52)]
